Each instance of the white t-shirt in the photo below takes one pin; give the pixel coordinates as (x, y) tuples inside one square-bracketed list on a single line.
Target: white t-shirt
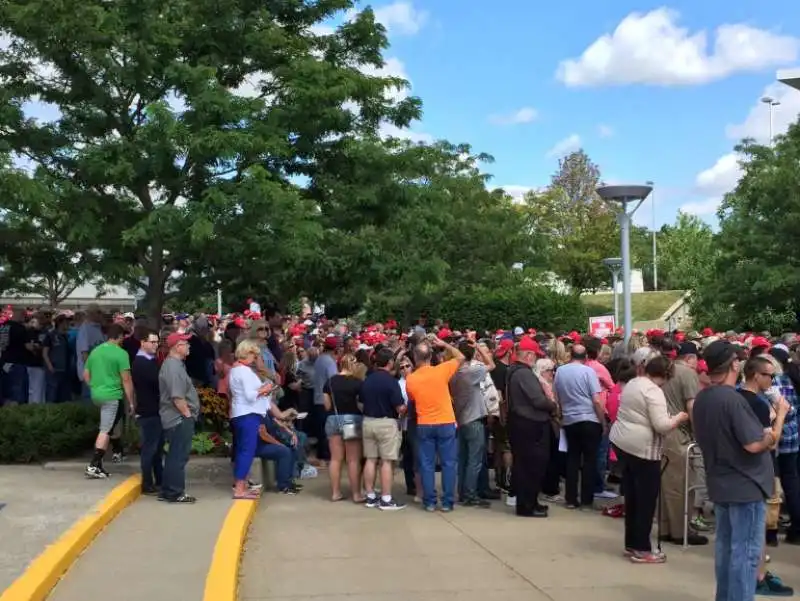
[(243, 386)]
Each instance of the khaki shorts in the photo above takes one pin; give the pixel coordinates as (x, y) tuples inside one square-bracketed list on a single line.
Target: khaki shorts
[(382, 438), (774, 507)]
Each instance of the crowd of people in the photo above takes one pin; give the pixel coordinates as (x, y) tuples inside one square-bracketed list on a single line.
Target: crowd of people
[(523, 417)]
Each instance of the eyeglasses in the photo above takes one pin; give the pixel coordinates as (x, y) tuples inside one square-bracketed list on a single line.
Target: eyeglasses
[(151, 341)]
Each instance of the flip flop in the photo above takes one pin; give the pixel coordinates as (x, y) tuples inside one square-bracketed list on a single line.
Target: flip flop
[(337, 499), (360, 501), (249, 495)]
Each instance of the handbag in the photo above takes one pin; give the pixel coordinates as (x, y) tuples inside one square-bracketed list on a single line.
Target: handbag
[(350, 431)]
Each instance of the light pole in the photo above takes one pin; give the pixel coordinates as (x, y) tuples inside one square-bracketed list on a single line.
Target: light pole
[(769, 100), (219, 302), (614, 265), (655, 255), (623, 196)]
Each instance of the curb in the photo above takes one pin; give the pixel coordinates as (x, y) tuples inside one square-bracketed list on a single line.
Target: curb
[(222, 581), (44, 572)]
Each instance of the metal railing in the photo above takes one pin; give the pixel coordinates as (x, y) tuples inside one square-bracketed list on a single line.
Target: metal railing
[(692, 453)]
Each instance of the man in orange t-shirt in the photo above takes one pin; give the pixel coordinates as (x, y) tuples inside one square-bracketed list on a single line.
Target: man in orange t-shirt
[(429, 389)]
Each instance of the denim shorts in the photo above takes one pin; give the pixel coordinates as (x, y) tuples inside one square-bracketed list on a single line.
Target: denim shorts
[(334, 423)]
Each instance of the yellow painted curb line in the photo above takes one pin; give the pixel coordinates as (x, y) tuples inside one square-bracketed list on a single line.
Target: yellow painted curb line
[(222, 581), (46, 570)]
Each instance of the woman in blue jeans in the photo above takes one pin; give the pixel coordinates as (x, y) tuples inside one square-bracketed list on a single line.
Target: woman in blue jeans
[(250, 404)]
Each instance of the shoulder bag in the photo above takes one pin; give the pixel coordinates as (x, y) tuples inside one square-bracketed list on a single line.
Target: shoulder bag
[(348, 431)]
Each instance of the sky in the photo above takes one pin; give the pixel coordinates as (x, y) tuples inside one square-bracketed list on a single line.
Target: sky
[(651, 91), (658, 92)]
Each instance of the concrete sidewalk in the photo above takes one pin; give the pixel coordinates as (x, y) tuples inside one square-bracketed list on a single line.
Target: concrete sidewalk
[(154, 550), (305, 547), (39, 507)]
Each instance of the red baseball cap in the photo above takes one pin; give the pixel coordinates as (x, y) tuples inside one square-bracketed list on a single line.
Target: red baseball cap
[(175, 338), (506, 346), (759, 341), (529, 344)]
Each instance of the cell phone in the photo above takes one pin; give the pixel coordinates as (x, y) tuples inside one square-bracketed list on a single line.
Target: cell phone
[(302, 415)]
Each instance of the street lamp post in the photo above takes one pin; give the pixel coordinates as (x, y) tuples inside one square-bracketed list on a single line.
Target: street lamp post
[(614, 265), (655, 255), (772, 103), (624, 196)]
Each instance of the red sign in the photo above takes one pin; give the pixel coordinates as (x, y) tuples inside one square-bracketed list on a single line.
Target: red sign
[(602, 326)]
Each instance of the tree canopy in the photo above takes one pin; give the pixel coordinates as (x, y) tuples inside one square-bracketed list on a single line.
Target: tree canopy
[(182, 127), (754, 276)]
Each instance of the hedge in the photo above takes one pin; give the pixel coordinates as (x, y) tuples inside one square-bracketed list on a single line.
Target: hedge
[(31, 433), (487, 308), (523, 305)]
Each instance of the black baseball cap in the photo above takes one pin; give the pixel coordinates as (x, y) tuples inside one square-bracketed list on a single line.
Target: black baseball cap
[(719, 352)]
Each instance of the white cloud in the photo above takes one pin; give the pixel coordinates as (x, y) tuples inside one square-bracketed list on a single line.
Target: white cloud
[(565, 146), (524, 115), (701, 208), (388, 130), (756, 124), (605, 131), (713, 183), (721, 177), (516, 192), (393, 67), (651, 48), (401, 18)]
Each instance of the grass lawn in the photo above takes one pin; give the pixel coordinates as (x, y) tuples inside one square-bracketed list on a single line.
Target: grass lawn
[(647, 306)]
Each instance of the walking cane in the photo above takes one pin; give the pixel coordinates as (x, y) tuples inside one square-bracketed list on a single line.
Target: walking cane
[(665, 463)]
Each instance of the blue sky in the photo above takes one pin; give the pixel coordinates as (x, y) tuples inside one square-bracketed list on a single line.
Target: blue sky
[(651, 91)]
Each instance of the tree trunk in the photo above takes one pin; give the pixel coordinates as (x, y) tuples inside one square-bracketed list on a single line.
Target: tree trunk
[(156, 280)]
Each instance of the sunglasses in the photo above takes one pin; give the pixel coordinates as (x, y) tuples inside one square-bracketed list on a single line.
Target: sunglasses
[(261, 329), (406, 366)]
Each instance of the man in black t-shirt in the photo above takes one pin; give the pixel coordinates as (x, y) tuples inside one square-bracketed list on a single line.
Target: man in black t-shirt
[(12, 360), (501, 455)]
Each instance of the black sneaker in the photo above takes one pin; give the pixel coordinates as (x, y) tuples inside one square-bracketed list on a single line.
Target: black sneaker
[(94, 472), (289, 490), (149, 491), (117, 458), (772, 586), (372, 502), (480, 503), (391, 505), (491, 495), (183, 499)]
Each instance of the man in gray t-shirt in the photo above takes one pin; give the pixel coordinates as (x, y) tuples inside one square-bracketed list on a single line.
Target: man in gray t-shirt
[(470, 410), (179, 408)]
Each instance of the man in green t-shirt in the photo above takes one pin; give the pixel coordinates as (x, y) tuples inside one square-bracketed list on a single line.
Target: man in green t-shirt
[(108, 374)]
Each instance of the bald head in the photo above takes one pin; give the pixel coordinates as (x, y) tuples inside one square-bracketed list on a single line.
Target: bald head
[(423, 352), (579, 352)]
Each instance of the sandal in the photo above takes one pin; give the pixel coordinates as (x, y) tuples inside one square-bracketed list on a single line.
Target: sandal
[(248, 495), (337, 498)]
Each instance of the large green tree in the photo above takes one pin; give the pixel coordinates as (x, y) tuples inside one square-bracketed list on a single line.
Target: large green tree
[(686, 253), (574, 228), (754, 281), (403, 222), (183, 126)]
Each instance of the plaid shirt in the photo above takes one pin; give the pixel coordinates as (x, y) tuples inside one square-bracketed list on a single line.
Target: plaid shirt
[(790, 440)]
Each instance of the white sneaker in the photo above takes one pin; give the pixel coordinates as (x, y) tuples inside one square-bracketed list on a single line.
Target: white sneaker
[(511, 501), (606, 494), (95, 473), (308, 471)]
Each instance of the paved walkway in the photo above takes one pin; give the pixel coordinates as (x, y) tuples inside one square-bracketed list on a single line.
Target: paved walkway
[(306, 548), (39, 507), (153, 550)]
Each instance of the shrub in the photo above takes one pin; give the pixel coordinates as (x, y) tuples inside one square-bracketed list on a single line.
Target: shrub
[(31, 433), (523, 305)]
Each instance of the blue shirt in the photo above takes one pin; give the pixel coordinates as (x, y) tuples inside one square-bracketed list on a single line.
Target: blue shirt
[(790, 439), (575, 386), (381, 395)]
